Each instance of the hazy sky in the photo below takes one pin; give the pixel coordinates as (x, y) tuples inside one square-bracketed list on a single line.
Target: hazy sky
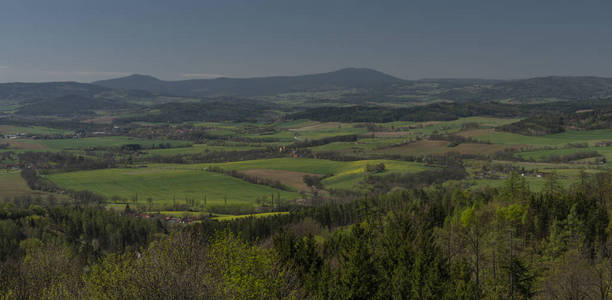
[(87, 40)]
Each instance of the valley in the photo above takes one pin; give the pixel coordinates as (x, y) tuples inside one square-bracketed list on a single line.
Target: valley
[(303, 168)]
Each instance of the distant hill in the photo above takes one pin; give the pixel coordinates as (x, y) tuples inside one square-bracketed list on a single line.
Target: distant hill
[(209, 109), (525, 90), (374, 85), (46, 90), (71, 105), (574, 88), (355, 86), (342, 79), (418, 113), (134, 82), (557, 122)]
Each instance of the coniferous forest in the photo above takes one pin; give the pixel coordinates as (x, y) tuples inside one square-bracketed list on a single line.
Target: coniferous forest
[(271, 149), (436, 242)]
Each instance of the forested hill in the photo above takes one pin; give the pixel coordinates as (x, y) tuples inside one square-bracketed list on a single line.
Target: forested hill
[(381, 114), (350, 85), (214, 109), (71, 105), (342, 79), (558, 122), (539, 88), (45, 90)]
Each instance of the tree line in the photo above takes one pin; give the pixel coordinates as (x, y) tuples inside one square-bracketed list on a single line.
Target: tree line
[(428, 242)]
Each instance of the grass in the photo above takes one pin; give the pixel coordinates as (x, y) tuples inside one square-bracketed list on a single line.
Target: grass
[(165, 182), (178, 213), (282, 136), (545, 154), (164, 185), (346, 175), (297, 130), (409, 130), (324, 130), (450, 126), (10, 129), (424, 147), (13, 185), (559, 139), (292, 124), (535, 184), (365, 144), (306, 165), (198, 148), (349, 176), (259, 215), (218, 217), (112, 141), (569, 173)]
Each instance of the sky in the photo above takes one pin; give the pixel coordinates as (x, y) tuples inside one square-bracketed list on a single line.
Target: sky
[(87, 40)]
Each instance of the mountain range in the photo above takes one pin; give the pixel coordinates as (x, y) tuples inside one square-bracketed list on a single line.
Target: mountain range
[(354, 82), (350, 78)]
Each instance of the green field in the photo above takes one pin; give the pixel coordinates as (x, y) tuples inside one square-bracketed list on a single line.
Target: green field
[(165, 184), (351, 174), (168, 184), (449, 126), (324, 130), (365, 144), (535, 184), (559, 139), (12, 185), (295, 124), (259, 215), (114, 141), (568, 173), (281, 136), (199, 148), (10, 129), (306, 165), (545, 154), (346, 175), (90, 142)]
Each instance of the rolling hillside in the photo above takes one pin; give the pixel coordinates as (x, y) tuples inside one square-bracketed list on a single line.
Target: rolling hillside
[(19, 91), (71, 105), (533, 89)]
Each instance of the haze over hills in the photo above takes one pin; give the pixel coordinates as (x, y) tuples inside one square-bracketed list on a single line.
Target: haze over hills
[(133, 82), (557, 87), (341, 79), (45, 90), (351, 150), (372, 81), (356, 85), (72, 104)]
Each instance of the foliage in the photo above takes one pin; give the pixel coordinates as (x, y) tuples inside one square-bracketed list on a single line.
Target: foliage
[(436, 242), (213, 110), (600, 118)]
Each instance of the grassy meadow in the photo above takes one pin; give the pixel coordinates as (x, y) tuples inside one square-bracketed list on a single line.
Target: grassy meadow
[(167, 183), (167, 186), (86, 143), (170, 184), (558, 139), (13, 185)]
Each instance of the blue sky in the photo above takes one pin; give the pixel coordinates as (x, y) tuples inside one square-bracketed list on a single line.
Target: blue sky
[(85, 40)]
